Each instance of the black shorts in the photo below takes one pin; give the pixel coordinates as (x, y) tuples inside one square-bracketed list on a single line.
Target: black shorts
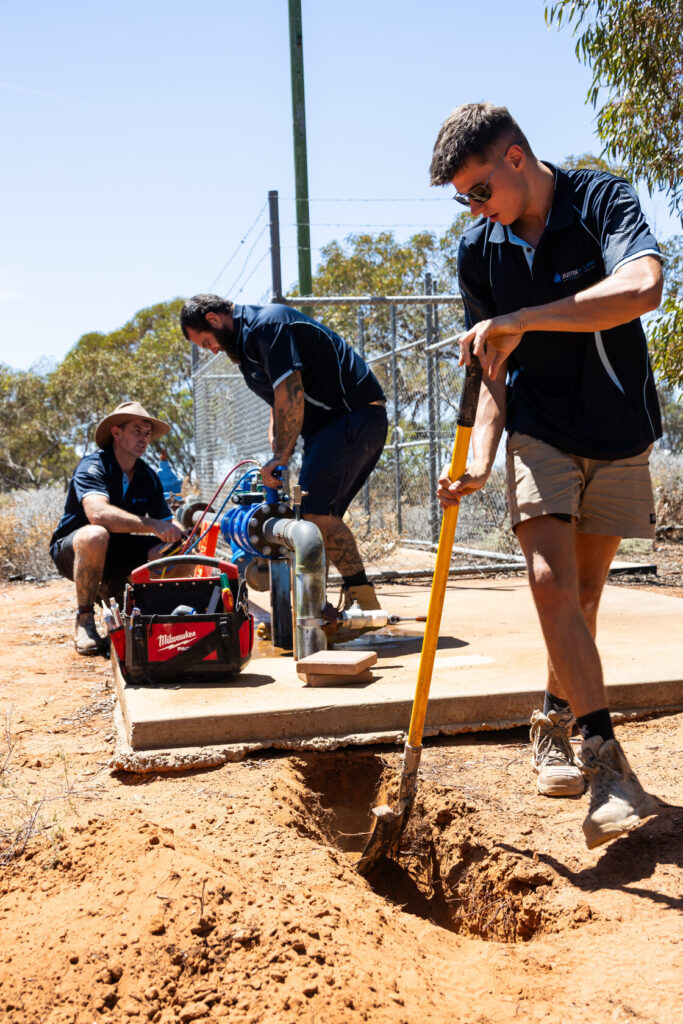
[(126, 551), (339, 458)]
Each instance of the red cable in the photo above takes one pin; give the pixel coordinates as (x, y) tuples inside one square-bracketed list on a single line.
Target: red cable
[(244, 462)]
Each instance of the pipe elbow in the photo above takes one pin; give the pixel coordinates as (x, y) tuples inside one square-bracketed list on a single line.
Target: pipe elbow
[(308, 545)]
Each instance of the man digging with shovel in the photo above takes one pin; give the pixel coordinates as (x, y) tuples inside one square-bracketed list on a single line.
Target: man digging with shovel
[(555, 274)]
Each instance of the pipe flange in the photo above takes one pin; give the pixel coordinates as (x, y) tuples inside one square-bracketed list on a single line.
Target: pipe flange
[(254, 525)]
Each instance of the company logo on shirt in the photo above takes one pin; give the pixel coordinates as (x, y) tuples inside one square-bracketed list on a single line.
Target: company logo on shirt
[(93, 470), (571, 275)]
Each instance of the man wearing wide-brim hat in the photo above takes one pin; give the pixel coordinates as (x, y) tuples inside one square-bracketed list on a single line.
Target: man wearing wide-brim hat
[(115, 516)]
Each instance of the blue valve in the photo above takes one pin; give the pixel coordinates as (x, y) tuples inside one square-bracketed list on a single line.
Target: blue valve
[(272, 497)]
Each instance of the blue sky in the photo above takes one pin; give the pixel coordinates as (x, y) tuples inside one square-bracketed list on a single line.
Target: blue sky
[(141, 138)]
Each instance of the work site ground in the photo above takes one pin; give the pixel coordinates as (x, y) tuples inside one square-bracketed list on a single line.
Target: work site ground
[(229, 893)]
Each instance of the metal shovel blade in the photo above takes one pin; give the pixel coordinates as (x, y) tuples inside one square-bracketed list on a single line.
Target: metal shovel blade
[(389, 825)]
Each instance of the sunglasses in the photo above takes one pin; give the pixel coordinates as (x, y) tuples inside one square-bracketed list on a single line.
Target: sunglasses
[(480, 193)]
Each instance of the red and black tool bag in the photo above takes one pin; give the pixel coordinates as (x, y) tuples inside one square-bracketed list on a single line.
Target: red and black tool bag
[(204, 646)]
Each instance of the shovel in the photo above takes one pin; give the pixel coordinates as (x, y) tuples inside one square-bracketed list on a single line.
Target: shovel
[(389, 824)]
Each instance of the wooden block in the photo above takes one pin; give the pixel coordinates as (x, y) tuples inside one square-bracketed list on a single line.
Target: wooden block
[(313, 679), (337, 663)]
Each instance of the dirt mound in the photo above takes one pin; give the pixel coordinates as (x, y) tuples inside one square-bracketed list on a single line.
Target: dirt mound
[(230, 893)]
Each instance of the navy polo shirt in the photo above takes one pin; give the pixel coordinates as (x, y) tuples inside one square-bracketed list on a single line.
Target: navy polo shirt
[(276, 340), (591, 394), (100, 473)]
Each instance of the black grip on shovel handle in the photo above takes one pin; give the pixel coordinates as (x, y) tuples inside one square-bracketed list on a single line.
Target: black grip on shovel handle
[(470, 393)]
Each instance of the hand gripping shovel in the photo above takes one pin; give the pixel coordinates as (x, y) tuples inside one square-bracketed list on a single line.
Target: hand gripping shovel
[(390, 824)]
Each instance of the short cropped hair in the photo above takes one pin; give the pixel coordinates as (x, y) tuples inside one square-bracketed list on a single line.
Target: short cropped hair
[(193, 313), (472, 130)]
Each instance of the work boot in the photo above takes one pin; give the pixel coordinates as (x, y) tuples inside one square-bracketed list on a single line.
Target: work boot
[(559, 773), (618, 801), (364, 595), (86, 638)]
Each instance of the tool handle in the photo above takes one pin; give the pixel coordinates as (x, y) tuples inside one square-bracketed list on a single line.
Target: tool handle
[(466, 415), (142, 573), (272, 496)]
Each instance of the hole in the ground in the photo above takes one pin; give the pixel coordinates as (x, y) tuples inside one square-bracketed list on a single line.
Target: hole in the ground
[(449, 870), (346, 785)]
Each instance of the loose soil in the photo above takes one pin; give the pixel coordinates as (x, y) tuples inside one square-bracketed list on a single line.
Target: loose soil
[(230, 893)]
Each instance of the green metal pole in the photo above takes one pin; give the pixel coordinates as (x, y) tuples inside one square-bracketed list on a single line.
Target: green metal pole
[(296, 49)]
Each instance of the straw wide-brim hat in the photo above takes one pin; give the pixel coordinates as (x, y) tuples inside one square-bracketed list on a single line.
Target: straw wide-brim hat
[(121, 414)]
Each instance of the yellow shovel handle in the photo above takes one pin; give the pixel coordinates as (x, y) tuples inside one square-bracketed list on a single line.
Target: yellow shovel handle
[(468, 407)]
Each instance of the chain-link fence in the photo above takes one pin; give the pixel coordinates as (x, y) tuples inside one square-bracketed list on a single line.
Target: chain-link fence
[(408, 343)]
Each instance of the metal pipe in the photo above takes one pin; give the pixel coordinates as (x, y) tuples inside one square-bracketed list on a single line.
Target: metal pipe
[(434, 512), (418, 574), (281, 602), (275, 267), (361, 349), (369, 300), (397, 451), (306, 541), (445, 342)]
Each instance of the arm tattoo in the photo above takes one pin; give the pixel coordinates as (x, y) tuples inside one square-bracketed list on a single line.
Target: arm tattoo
[(288, 414)]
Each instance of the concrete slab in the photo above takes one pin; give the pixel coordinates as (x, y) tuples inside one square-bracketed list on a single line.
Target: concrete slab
[(489, 672)]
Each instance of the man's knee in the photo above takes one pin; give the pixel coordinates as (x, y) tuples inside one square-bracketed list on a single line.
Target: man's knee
[(91, 539), (325, 523), (552, 595)]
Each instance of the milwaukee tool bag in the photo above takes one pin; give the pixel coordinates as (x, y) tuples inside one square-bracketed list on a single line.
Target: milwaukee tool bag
[(186, 629)]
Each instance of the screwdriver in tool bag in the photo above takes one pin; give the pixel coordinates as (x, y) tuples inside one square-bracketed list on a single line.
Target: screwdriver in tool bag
[(226, 594)]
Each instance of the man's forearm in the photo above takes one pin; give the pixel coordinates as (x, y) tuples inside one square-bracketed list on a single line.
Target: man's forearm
[(489, 423), (288, 415), (626, 295), (271, 431), (117, 520)]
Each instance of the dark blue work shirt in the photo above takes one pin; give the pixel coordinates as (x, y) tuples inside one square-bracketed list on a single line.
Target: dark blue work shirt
[(276, 340), (100, 473), (588, 393)]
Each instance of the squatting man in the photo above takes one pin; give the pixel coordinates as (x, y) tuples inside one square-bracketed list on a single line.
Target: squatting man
[(114, 517), (555, 274), (318, 387)]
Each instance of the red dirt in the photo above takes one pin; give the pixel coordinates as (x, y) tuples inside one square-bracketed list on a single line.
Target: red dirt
[(229, 894)]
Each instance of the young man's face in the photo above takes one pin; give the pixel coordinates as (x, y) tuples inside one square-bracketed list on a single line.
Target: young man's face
[(219, 336), (501, 175), (132, 438)]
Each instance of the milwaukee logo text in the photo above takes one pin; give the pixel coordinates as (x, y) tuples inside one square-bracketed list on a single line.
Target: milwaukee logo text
[(179, 638)]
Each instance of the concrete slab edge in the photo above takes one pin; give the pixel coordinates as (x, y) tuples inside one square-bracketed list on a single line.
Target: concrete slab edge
[(145, 762)]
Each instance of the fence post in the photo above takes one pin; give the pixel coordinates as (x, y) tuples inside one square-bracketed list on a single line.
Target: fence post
[(433, 502), (397, 450), (437, 391), (361, 349), (275, 267)]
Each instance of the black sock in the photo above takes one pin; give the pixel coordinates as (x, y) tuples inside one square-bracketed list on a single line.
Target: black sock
[(553, 703), (596, 723), (359, 579), (86, 609)]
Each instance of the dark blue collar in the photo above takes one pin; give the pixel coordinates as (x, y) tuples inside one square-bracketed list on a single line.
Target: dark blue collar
[(113, 462), (562, 211), (237, 324)]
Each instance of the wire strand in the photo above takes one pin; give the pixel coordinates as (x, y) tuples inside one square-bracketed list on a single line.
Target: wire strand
[(248, 279), (258, 238), (364, 224), (241, 243)]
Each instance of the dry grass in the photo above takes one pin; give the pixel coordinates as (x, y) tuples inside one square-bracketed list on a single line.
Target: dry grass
[(27, 521), (667, 480)]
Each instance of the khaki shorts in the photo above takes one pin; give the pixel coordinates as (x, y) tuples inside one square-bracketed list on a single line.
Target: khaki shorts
[(610, 497)]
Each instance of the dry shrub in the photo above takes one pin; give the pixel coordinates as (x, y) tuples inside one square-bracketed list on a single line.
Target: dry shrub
[(27, 521), (667, 480)]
